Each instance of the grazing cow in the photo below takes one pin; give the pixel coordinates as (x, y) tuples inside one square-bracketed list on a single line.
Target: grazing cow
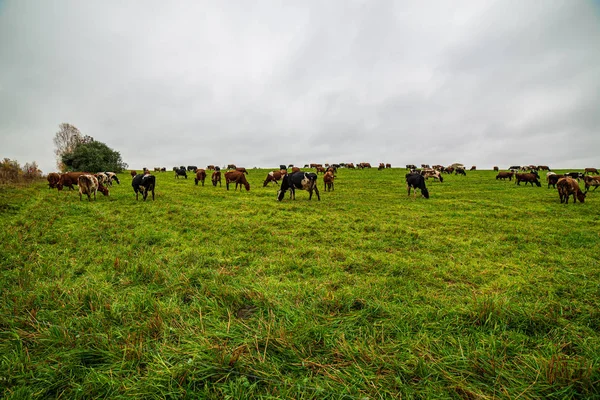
[(543, 168), (210, 167), (274, 176), (388, 165), (590, 171), (416, 181), (504, 175), (460, 171), (496, 168), (132, 173), (200, 176), (514, 168), (156, 169), (365, 165), (567, 187), (381, 166), (591, 181), (88, 185), (163, 169), (112, 177), (574, 175), (350, 165), (527, 178), (231, 166), (192, 168), (552, 178), (69, 179), (473, 168), (143, 184), (328, 179), (216, 177), (299, 180), (102, 178), (53, 179), (430, 172), (449, 170), (180, 172), (238, 177), (242, 169), (320, 168)]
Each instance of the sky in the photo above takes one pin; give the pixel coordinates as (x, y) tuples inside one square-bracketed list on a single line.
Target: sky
[(263, 83)]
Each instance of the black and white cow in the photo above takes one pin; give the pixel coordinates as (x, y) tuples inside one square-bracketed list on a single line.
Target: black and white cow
[(112, 177), (143, 184), (417, 181), (299, 180), (181, 172)]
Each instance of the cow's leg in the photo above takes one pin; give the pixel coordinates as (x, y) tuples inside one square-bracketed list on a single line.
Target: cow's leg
[(317, 193)]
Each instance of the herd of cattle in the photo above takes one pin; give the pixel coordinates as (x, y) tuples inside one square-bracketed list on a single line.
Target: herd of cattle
[(89, 184)]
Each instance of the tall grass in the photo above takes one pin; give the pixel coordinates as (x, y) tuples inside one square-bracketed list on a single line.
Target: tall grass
[(486, 290)]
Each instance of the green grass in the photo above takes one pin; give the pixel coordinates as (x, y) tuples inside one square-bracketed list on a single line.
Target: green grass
[(486, 290)]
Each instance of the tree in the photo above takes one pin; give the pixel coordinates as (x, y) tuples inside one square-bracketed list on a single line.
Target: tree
[(93, 156), (65, 140)]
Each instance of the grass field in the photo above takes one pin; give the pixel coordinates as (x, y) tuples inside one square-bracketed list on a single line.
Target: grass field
[(486, 290)]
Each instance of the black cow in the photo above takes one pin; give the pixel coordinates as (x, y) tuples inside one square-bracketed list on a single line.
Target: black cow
[(143, 184), (192, 168), (299, 180), (574, 175), (417, 181), (180, 172)]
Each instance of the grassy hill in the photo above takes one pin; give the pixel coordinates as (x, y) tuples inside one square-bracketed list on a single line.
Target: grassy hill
[(486, 290)]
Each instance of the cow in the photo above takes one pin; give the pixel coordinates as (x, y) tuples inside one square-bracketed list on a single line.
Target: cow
[(473, 168), (156, 169), (102, 178), (320, 168), (143, 184), (425, 166), (69, 179), (200, 176), (88, 185), (411, 166), (242, 170), (365, 165), (591, 181), (328, 179), (350, 166), (567, 187), (543, 168), (527, 178), (163, 169), (590, 171), (430, 172), (514, 168), (192, 168), (299, 180), (496, 169), (216, 177), (503, 175), (180, 172), (53, 179), (238, 177), (231, 166), (416, 181), (449, 170), (574, 175), (460, 171), (112, 177), (552, 178), (381, 166), (274, 176), (132, 173), (210, 167)]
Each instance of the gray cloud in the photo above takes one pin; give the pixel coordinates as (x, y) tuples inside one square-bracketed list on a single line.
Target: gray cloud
[(261, 83)]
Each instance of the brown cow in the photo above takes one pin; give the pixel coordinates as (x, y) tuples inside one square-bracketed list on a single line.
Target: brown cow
[(496, 168), (328, 181), (591, 181), (388, 165), (504, 175), (231, 166), (473, 168), (216, 177), (53, 179), (320, 168), (590, 171), (350, 165), (88, 185), (552, 179), (211, 167), (69, 179), (295, 169), (242, 169), (527, 178), (381, 166), (543, 168), (274, 176), (200, 176), (238, 177), (133, 174), (567, 187)]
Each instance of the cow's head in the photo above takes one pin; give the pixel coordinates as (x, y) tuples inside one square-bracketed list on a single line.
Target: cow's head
[(103, 189), (425, 192), (581, 196)]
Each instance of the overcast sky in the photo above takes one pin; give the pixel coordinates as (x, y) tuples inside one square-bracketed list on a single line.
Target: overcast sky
[(260, 83)]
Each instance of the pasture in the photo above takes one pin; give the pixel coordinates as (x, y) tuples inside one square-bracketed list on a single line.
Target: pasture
[(485, 290)]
